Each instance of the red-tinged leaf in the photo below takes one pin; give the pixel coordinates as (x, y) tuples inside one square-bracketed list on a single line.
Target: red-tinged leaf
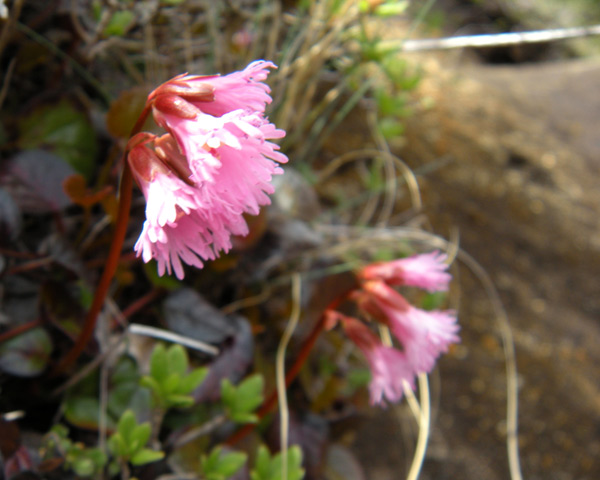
[(10, 217), (75, 186), (26, 355), (34, 179), (125, 110)]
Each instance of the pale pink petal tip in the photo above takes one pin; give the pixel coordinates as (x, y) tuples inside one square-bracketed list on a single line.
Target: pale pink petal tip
[(427, 271)]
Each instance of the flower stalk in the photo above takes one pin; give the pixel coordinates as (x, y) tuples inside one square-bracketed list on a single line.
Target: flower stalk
[(214, 164)]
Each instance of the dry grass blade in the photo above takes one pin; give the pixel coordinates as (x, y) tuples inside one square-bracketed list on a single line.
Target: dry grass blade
[(280, 372), (161, 334)]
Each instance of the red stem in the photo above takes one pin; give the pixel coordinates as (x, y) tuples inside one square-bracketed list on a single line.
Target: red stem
[(141, 302), (112, 260), (19, 330)]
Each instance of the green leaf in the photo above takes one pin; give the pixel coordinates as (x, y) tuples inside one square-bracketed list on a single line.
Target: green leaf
[(124, 385), (65, 131), (228, 392), (170, 384), (269, 468), (179, 401), (168, 379), (295, 470), (193, 380), (139, 436), (159, 368), (391, 128), (127, 425), (86, 461), (83, 412), (151, 383), (27, 354), (117, 445), (240, 402), (97, 456), (129, 441), (219, 466), (243, 417), (60, 430), (262, 466), (434, 300), (358, 378), (119, 23), (177, 360), (390, 9), (84, 467), (249, 393), (145, 455)]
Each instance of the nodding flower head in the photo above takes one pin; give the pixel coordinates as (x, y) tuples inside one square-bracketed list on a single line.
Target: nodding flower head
[(427, 271), (421, 336), (214, 164)]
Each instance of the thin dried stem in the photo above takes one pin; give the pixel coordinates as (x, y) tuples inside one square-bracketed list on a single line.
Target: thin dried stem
[(6, 81), (280, 373), (198, 432), (15, 332), (161, 334), (424, 423)]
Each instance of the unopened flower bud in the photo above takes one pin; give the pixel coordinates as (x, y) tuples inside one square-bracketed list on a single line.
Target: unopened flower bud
[(176, 106)]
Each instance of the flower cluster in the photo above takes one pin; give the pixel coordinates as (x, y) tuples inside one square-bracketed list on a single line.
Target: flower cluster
[(214, 164), (423, 335)]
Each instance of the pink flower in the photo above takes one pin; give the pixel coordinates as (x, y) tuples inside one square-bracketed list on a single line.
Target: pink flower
[(214, 165), (389, 367), (424, 335), (427, 271)]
